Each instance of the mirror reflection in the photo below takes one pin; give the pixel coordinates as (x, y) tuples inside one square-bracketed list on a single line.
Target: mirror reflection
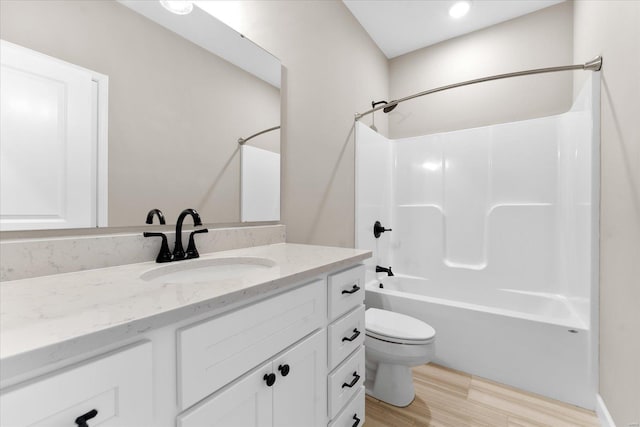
[(118, 107)]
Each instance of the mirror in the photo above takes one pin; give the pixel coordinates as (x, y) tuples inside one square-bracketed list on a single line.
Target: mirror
[(180, 92)]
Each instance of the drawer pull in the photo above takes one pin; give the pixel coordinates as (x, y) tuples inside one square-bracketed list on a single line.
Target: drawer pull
[(353, 290), (353, 382), (81, 421), (356, 334), (355, 417), (284, 370), (270, 379)]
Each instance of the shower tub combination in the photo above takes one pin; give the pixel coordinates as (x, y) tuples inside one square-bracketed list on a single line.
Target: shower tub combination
[(534, 342), (494, 244)]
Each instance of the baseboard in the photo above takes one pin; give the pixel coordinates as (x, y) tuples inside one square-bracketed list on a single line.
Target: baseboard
[(603, 413)]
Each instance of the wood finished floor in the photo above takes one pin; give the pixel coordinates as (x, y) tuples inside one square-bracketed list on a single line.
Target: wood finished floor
[(449, 398)]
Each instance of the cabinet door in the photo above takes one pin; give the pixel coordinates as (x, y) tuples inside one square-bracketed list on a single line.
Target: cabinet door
[(300, 396), (217, 351), (114, 390), (245, 403)]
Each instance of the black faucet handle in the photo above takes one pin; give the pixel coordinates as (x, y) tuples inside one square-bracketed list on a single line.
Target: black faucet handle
[(157, 212), (192, 252), (378, 229), (165, 254)]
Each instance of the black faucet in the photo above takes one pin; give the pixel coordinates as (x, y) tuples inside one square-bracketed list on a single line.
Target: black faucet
[(157, 212), (178, 251), (384, 270), (165, 254)]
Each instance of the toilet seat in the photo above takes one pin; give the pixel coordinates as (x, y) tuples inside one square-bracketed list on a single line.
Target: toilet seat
[(397, 328)]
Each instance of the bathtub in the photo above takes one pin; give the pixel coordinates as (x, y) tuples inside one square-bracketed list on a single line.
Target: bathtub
[(536, 342)]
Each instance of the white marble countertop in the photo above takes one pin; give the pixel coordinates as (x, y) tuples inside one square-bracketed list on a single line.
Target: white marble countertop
[(45, 319)]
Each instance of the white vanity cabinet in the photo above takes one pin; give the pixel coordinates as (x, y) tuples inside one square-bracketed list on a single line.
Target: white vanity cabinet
[(287, 391), (324, 372), (292, 355)]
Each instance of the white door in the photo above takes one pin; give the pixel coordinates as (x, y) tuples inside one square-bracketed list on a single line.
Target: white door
[(48, 136), (246, 403), (300, 396)]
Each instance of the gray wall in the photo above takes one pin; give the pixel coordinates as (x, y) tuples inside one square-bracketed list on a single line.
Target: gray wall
[(333, 69), (539, 39), (175, 110), (612, 29)]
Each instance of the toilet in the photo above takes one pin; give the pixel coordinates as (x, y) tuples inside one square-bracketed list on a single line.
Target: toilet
[(394, 343)]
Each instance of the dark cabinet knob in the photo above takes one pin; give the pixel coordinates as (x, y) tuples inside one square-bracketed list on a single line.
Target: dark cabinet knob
[(270, 379), (356, 334), (353, 382), (353, 290), (284, 370), (355, 417), (81, 421)]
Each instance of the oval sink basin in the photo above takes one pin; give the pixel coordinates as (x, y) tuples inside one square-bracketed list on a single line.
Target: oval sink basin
[(206, 270)]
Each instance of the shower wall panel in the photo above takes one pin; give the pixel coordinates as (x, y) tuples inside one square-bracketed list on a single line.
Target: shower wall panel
[(467, 192), (373, 193), (578, 187), (479, 204)]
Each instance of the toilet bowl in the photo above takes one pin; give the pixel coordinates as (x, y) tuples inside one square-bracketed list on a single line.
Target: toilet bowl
[(394, 343)]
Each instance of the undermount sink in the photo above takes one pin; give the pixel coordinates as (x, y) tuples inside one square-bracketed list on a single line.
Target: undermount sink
[(207, 270)]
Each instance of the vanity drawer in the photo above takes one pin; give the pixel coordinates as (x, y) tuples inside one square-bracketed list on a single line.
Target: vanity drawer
[(219, 350), (345, 381), (345, 335), (353, 414), (118, 386), (346, 291)]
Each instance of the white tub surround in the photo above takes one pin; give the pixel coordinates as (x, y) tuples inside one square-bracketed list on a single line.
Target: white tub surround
[(47, 319), (24, 258), (494, 226)]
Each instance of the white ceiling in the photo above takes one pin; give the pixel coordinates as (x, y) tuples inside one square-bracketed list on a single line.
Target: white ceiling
[(402, 26)]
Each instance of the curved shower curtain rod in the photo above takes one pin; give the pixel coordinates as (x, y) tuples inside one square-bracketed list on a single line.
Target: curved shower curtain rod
[(241, 141), (593, 65)]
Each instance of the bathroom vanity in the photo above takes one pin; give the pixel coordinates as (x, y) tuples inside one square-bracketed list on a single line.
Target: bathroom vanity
[(268, 335)]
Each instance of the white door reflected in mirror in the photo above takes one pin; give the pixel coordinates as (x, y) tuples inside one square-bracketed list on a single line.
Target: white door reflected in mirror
[(48, 142)]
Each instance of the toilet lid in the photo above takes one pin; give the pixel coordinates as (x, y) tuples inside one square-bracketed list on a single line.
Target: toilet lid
[(395, 327)]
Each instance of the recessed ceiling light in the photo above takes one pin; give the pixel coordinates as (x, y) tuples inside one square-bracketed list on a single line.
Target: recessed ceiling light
[(459, 9), (179, 7)]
